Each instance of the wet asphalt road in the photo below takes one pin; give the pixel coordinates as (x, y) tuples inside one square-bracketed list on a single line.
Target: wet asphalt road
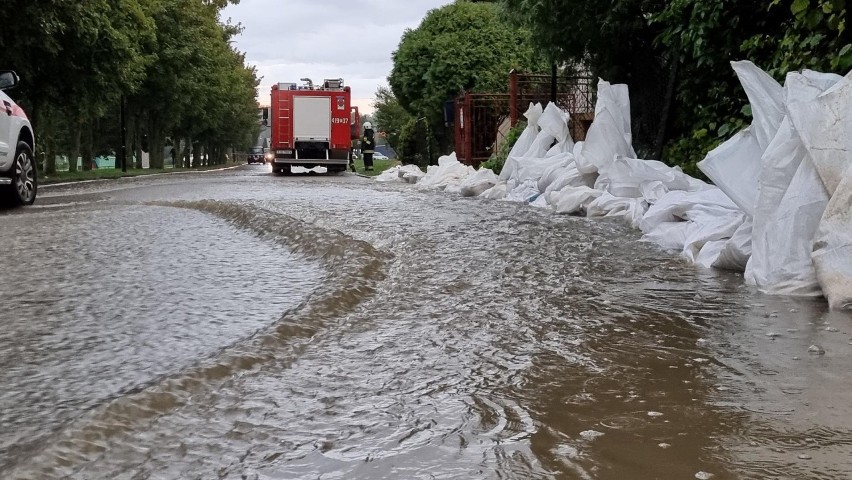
[(236, 324)]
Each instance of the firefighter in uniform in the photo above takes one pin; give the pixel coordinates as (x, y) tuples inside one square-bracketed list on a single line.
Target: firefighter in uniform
[(368, 145)]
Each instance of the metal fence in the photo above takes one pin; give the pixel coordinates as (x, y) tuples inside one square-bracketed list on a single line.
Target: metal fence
[(482, 120)]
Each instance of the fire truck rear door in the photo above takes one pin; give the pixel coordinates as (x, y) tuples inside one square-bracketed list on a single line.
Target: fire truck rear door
[(312, 118)]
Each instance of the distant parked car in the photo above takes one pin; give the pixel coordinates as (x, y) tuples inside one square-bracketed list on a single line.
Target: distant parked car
[(255, 155), (18, 176), (380, 156)]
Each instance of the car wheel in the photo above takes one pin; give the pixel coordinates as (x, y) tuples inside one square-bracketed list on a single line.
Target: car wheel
[(24, 185)]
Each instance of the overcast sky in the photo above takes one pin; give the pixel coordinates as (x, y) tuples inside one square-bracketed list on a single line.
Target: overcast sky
[(290, 39)]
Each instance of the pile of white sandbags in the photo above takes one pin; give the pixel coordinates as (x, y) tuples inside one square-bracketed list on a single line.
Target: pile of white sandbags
[(789, 173), (401, 173), (780, 207)]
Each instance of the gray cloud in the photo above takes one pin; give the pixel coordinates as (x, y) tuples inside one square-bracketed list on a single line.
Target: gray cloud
[(290, 39)]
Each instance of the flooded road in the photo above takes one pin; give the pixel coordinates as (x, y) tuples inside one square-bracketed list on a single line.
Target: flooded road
[(239, 325)]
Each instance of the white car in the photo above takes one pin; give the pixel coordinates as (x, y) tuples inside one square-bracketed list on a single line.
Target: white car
[(379, 156), (18, 177)]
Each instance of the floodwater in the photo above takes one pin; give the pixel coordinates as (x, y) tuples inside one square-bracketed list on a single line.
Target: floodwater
[(239, 325)]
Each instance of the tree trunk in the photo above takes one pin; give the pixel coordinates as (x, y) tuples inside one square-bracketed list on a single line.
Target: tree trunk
[(184, 153), (87, 149), (196, 155), (156, 142), (668, 101), (187, 152), (218, 157), (76, 133), (50, 149)]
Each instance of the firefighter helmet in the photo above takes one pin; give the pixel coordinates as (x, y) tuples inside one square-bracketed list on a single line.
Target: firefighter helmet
[(368, 126)]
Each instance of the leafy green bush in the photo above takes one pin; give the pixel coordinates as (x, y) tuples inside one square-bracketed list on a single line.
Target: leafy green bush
[(498, 159)]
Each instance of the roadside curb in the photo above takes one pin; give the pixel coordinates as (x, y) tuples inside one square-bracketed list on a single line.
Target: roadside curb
[(79, 182)]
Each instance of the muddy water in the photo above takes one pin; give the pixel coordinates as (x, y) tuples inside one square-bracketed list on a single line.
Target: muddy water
[(333, 328)]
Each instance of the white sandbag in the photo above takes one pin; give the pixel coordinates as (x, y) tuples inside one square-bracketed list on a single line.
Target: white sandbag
[(653, 190), (554, 121), (825, 127), (615, 99), (832, 253), (779, 164), (672, 207), (610, 133), (497, 192), (702, 224), (696, 185), (766, 97), (686, 221), (578, 148), (630, 209), (474, 185), (537, 151), (566, 146), (822, 81), (554, 172), (397, 173), (734, 166), (389, 175), (571, 177), (604, 141), (525, 192), (736, 251), (448, 171), (708, 223), (524, 141), (540, 202), (668, 235), (624, 177), (710, 253), (453, 188), (542, 143), (572, 199), (534, 168), (791, 202), (781, 261), (413, 177)]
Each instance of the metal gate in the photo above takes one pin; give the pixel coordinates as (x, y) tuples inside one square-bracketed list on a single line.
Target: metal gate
[(482, 120)]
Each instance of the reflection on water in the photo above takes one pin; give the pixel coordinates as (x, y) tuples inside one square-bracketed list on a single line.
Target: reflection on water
[(107, 302), (444, 338)]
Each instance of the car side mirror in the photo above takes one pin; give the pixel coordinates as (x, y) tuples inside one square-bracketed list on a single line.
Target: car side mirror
[(8, 79)]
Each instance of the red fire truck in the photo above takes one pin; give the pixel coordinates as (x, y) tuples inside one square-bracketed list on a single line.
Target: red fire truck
[(311, 125)]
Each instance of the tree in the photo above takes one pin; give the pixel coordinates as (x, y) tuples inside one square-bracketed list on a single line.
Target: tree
[(460, 47), (171, 59), (390, 116), (779, 36), (675, 57), (616, 41), (76, 58)]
